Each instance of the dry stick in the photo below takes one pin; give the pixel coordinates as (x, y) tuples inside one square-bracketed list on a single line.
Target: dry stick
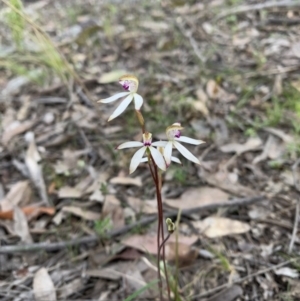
[(209, 292), (296, 184), (272, 71), (295, 228), (255, 7), (94, 239)]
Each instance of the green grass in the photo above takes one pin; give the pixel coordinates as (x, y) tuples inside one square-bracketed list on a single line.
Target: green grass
[(141, 290), (46, 57), (15, 23)]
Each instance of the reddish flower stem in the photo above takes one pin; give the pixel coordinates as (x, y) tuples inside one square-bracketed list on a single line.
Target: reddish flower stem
[(160, 228), (158, 185)]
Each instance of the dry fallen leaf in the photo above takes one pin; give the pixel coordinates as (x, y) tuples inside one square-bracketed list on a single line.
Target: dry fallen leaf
[(228, 294), (252, 143), (21, 226), (148, 242), (111, 77), (69, 163), (15, 129), (43, 287), (32, 158), (201, 103), (155, 26), (114, 210), (222, 179), (138, 205), (184, 253), (195, 197), (281, 134), (105, 273), (214, 226), (288, 272), (273, 149), (67, 192), (19, 194), (126, 181), (28, 211), (85, 214), (214, 91), (68, 289), (25, 108)]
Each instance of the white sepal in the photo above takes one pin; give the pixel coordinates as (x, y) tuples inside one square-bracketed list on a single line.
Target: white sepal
[(114, 97)]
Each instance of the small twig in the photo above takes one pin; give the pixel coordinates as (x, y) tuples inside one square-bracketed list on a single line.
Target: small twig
[(295, 177), (271, 71), (255, 7), (295, 228), (94, 239), (209, 292), (282, 21), (48, 246), (297, 187), (85, 99)]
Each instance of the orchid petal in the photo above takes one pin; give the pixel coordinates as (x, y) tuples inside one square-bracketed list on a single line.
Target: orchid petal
[(168, 152), (158, 158), (130, 144), (138, 101), (160, 143), (174, 159), (186, 153), (114, 97), (189, 140), (122, 107), (144, 160), (136, 159)]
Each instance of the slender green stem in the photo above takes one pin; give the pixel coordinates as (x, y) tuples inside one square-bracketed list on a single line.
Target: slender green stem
[(176, 254), (162, 246)]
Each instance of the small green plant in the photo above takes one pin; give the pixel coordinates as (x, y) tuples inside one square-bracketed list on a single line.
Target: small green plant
[(275, 164), (180, 175), (251, 132), (102, 226), (274, 113), (223, 259), (259, 58), (104, 189), (294, 148), (291, 98)]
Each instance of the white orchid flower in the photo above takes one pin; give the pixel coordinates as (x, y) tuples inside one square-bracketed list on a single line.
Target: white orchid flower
[(161, 150), (130, 83), (174, 137), (145, 146)]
